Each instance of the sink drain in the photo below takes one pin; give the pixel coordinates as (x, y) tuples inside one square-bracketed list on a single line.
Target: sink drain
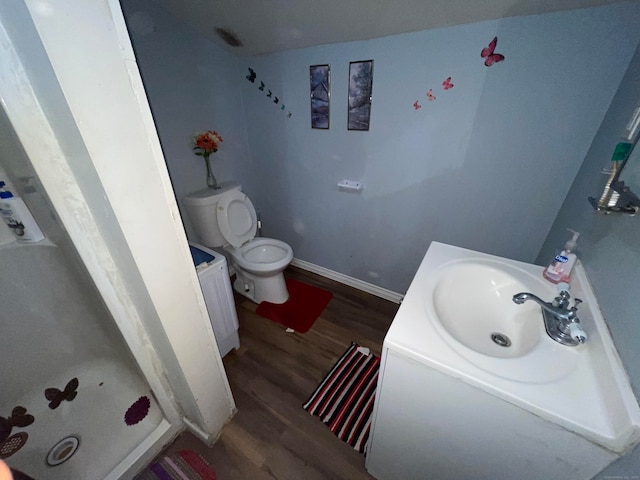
[(63, 450), (501, 339)]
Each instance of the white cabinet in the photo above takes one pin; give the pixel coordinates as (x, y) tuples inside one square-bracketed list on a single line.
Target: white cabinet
[(429, 425), (213, 276)]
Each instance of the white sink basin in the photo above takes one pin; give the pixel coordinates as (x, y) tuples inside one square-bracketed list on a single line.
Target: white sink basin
[(468, 301), (473, 302)]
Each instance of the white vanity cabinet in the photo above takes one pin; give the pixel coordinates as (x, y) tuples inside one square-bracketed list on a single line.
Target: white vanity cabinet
[(430, 425), (452, 403)]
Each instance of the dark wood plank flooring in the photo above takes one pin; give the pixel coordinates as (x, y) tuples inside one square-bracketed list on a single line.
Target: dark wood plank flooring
[(272, 375)]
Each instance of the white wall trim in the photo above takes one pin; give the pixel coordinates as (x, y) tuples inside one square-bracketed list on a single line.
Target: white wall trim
[(347, 280), (206, 437)]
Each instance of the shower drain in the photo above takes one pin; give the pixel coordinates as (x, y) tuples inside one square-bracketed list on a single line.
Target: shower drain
[(501, 339), (63, 450)]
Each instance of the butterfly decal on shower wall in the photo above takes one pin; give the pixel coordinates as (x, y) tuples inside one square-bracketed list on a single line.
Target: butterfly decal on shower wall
[(416, 105), (447, 84), (18, 418), (489, 55), (56, 397), (252, 78), (430, 95)]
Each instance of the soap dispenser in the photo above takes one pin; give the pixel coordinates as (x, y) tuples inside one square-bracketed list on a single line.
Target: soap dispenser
[(559, 270)]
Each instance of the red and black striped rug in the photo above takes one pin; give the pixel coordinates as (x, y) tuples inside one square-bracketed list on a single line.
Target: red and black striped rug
[(344, 399), (183, 465)]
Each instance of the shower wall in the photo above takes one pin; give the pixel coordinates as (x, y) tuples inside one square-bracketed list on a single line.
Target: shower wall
[(52, 318), (55, 327)]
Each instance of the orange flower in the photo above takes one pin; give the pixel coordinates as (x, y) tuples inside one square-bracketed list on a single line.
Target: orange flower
[(205, 143)]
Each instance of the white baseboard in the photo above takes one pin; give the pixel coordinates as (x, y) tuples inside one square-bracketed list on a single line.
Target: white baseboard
[(347, 280), (205, 437)]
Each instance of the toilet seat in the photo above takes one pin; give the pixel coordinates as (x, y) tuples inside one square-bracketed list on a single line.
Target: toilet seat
[(237, 218)]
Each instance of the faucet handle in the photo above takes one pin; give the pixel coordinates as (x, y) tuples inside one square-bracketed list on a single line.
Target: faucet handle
[(562, 300), (577, 332), (577, 302)]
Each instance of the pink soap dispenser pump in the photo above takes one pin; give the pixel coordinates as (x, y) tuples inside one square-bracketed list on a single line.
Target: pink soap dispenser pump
[(559, 270)]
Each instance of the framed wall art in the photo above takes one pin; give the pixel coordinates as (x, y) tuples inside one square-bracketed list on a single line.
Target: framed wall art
[(320, 81), (360, 87)]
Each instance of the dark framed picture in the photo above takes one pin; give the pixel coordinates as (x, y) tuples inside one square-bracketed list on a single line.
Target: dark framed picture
[(320, 78), (360, 87)]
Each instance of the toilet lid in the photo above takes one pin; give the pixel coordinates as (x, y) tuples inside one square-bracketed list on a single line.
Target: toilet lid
[(236, 218)]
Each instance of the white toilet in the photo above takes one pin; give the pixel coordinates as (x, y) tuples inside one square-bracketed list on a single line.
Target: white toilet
[(225, 217)]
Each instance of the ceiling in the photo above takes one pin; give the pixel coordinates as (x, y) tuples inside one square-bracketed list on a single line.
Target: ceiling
[(268, 26)]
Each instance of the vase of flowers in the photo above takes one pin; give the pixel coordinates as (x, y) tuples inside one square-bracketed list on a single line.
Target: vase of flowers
[(204, 144)]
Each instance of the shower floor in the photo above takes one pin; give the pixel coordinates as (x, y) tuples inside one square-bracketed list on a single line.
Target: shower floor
[(95, 416)]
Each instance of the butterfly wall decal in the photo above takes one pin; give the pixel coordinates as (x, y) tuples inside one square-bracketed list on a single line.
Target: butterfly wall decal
[(489, 55), (430, 95), (19, 418), (447, 84), (416, 105), (252, 77), (56, 397)]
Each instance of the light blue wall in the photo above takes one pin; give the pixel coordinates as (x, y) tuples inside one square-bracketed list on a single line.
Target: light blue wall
[(609, 245), (192, 85), (485, 166)]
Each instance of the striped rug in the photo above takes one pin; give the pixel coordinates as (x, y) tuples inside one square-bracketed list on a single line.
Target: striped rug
[(184, 465), (344, 399)]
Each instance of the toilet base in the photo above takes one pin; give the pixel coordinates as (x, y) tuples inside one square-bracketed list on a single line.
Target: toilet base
[(271, 289)]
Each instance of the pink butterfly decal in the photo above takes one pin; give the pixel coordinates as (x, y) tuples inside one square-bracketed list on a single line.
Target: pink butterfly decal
[(430, 95), (447, 83), (416, 105), (489, 56)]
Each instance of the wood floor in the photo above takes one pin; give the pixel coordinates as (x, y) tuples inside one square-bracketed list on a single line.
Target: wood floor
[(272, 375)]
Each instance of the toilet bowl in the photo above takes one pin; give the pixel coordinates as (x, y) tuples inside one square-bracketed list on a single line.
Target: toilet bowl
[(226, 218), (259, 264), (262, 256)]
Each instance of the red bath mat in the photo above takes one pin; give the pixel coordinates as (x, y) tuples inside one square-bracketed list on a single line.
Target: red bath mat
[(303, 308)]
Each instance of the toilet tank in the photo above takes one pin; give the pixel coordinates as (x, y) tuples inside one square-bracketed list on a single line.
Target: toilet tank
[(201, 209)]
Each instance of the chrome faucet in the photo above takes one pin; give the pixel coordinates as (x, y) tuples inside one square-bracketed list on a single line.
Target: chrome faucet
[(560, 321)]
